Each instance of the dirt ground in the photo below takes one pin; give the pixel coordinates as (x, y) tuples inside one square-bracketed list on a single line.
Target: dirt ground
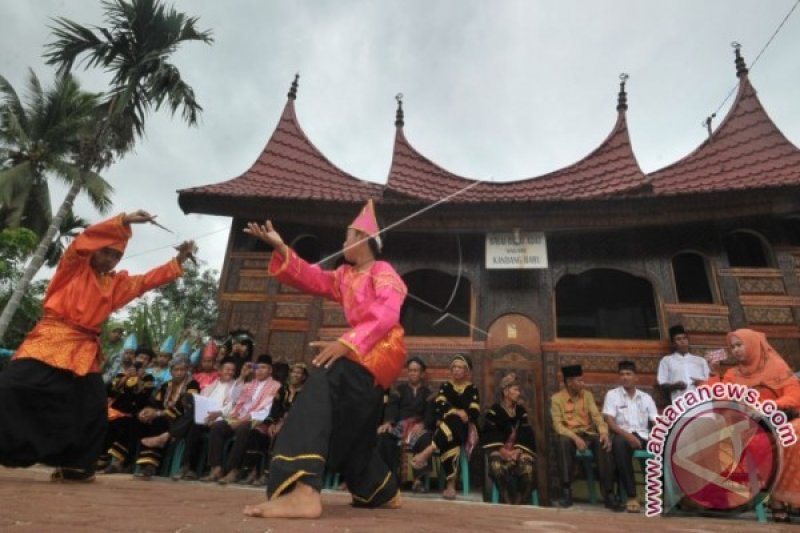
[(29, 502)]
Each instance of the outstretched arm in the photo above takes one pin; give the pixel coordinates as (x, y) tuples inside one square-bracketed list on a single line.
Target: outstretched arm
[(127, 288), (288, 268)]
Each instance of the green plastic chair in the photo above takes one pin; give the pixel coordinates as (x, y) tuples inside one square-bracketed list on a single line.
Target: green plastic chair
[(587, 457)]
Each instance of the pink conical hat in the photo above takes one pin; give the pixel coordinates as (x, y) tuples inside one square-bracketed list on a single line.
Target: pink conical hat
[(367, 222)]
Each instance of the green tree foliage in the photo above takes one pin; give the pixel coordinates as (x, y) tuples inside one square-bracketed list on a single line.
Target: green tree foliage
[(135, 48), (15, 246), (39, 139), (186, 308)]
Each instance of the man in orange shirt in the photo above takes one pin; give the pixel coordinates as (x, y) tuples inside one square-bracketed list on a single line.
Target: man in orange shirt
[(52, 394)]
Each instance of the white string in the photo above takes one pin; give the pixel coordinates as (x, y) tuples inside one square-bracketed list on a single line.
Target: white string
[(201, 236), (409, 294), (402, 220)]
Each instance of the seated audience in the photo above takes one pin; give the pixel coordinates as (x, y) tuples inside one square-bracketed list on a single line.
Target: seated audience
[(681, 371), (759, 366), (166, 406), (159, 368), (115, 362), (241, 349), (252, 406), (508, 441), (457, 410), (128, 393), (629, 413), (207, 372), (580, 427), (224, 391), (404, 416), (263, 435)]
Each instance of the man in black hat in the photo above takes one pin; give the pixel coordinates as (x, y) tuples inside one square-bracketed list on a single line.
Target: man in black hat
[(681, 371), (629, 413), (457, 407), (241, 348), (580, 426), (405, 414), (254, 404)]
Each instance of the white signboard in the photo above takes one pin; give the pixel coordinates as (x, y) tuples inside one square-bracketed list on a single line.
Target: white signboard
[(516, 250)]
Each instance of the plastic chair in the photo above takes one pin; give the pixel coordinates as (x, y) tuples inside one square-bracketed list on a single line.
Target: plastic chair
[(587, 457), (437, 469), (464, 463), (496, 495), (177, 458), (330, 480)]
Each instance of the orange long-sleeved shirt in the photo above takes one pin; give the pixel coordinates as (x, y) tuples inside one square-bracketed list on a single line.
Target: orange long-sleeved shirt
[(79, 299)]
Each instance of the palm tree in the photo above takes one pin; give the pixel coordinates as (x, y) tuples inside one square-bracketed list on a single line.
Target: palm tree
[(37, 141), (71, 226), (135, 48)]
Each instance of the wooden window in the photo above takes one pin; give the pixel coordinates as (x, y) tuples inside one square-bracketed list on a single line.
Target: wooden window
[(307, 246), (748, 249), (792, 225), (690, 271), (605, 304), (438, 305)]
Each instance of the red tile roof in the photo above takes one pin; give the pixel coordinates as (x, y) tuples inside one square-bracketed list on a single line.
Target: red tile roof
[(291, 167), (609, 170), (746, 151)]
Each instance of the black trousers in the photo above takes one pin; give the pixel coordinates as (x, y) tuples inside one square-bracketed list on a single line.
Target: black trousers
[(193, 447), (389, 449), (257, 447), (334, 422), (120, 441), (51, 416), (451, 434), (623, 460), (147, 455), (567, 449), (220, 433)]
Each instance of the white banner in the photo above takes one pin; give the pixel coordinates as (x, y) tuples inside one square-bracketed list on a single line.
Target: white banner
[(520, 250)]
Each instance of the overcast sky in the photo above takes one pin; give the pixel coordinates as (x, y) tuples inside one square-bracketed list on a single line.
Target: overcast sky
[(493, 89)]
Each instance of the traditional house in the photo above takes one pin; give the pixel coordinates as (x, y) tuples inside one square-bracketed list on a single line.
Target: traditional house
[(712, 241)]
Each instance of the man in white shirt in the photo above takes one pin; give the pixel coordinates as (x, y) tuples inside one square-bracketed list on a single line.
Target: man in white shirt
[(681, 371), (253, 405), (628, 412), (224, 392)]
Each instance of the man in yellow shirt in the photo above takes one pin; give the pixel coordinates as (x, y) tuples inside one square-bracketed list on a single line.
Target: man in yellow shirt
[(580, 426)]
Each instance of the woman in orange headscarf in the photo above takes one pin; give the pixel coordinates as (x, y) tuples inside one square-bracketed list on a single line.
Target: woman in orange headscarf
[(760, 367)]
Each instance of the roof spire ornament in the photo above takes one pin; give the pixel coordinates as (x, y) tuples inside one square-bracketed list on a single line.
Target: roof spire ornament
[(398, 119), (293, 90), (741, 67), (622, 98)]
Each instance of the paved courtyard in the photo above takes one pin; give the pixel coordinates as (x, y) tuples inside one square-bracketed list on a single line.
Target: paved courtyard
[(29, 502)]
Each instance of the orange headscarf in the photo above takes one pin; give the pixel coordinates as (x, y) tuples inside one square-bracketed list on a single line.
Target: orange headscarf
[(762, 365)]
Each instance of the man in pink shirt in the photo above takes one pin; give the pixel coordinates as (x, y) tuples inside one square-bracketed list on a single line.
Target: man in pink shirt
[(334, 421)]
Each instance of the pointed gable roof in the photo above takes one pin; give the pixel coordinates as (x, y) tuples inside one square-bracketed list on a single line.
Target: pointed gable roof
[(289, 167), (611, 169), (746, 151)]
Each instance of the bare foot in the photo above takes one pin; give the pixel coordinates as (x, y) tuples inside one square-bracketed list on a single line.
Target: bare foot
[(302, 502), (420, 461), (395, 503), (159, 441), (450, 492)]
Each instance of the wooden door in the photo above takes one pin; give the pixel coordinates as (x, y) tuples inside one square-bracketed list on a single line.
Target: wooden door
[(514, 344)]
